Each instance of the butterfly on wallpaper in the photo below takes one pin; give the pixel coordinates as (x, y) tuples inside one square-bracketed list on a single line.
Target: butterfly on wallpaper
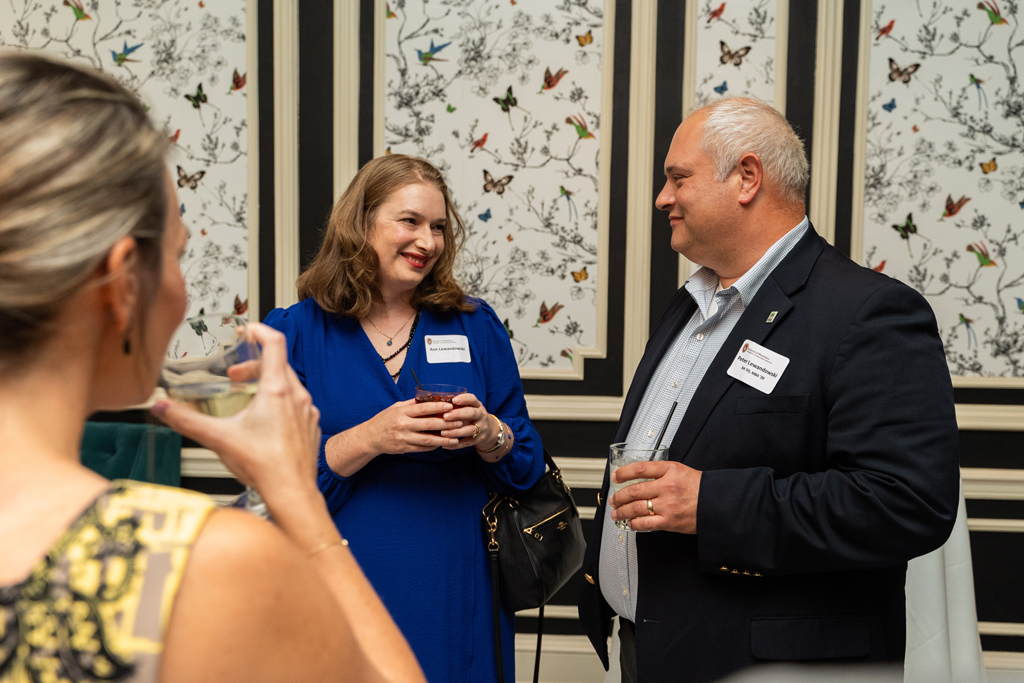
[(551, 80), (579, 275), (241, 307), (506, 103), (478, 144), (720, 89), (182, 212), (450, 109), (988, 166), (198, 100), (953, 208), (190, 181), (203, 232), (508, 329), (733, 57), (237, 82), (387, 152), (509, 237), (1022, 204), (890, 106), (906, 229), (548, 314), (904, 74), (915, 128), (586, 39), (485, 216), (495, 186)]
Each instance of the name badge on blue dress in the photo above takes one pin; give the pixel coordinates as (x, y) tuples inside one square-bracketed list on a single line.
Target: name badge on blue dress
[(449, 348)]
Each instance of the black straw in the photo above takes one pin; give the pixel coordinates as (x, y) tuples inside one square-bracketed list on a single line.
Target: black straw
[(421, 386), (664, 428)]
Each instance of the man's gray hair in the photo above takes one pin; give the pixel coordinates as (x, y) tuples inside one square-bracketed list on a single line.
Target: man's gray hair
[(741, 125)]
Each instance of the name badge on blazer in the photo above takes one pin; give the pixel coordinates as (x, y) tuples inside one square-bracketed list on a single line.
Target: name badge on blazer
[(758, 367), (450, 348)]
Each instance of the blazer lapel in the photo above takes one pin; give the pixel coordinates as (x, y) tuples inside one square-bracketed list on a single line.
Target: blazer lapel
[(772, 297), (679, 311)]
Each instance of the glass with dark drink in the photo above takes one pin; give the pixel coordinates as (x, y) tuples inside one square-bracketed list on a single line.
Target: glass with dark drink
[(437, 393)]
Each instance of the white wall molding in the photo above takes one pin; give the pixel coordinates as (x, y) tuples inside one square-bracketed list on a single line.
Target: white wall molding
[(997, 525), (827, 88), (1004, 660), (990, 417), (252, 58), (992, 484), (286, 151), (346, 93)]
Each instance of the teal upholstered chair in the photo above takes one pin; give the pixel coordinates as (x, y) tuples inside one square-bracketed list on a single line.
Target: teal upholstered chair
[(117, 450)]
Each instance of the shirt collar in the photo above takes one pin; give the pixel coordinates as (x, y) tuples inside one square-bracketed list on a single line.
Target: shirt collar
[(703, 283)]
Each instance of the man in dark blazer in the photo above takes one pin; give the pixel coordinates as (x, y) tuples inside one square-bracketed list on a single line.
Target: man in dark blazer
[(817, 447)]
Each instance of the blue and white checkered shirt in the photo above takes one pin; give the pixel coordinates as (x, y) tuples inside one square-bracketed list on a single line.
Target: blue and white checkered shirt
[(676, 379)]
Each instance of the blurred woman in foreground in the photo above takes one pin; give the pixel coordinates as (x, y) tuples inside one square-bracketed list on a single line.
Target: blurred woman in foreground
[(119, 580)]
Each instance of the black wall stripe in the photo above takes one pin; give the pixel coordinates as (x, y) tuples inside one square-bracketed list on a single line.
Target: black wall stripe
[(265, 31)]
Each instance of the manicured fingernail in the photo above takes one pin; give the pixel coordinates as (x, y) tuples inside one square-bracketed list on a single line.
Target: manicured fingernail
[(453, 442), (159, 408)]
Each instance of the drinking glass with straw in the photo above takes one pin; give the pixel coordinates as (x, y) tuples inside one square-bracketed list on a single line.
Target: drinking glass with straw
[(622, 454)]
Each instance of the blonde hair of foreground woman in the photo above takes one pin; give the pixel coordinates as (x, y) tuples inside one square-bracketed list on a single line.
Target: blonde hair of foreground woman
[(90, 293)]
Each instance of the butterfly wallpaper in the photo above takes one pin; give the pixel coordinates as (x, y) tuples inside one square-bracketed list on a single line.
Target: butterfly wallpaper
[(735, 50), (186, 60), (944, 171), (505, 98)]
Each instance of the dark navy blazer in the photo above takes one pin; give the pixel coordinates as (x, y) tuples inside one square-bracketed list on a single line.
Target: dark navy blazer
[(813, 497)]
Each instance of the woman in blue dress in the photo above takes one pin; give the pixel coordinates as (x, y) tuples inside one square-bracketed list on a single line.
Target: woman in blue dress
[(379, 301)]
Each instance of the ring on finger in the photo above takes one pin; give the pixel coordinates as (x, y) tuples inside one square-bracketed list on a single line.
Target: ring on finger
[(476, 431), (650, 508)]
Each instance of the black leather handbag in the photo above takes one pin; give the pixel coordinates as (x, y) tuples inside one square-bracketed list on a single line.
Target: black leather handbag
[(535, 541)]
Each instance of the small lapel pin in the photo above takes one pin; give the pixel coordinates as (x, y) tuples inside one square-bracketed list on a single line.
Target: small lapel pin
[(771, 316)]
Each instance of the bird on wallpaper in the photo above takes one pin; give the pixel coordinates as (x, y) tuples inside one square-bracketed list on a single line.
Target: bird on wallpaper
[(953, 208), (546, 314), (971, 334), (173, 139), (511, 335), (429, 56), (390, 14), (237, 82), (885, 30), (906, 229), (976, 82), (568, 199), (550, 81), (880, 267), (122, 56), (478, 144), (76, 7), (716, 14), (580, 125), (992, 10), (241, 307), (979, 250), (566, 353)]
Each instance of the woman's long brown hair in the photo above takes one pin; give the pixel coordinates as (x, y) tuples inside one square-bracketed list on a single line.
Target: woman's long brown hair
[(343, 277)]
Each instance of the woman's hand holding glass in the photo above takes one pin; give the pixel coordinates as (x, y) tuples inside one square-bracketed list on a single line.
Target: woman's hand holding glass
[(403, 428), (464, 418), (271, 444)]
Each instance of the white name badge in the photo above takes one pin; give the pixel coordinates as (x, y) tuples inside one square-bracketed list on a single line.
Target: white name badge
[(757, 366), (451, 348)]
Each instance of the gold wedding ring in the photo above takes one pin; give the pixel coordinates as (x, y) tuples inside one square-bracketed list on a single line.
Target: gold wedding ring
[(476, 431), (650, 508)]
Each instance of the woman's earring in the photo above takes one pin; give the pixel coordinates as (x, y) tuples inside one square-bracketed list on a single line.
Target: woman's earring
[(127, 346)]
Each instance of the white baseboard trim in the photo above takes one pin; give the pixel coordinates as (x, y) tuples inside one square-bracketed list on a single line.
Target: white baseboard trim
[(565, 659)]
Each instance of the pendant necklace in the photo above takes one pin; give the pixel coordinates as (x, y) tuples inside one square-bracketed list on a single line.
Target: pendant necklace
[(391, 337), (412, 333)]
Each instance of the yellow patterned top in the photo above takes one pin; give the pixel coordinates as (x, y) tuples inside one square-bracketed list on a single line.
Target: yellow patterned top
[(96, 607)]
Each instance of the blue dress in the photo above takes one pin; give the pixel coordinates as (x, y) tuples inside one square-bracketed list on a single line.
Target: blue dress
[(413, 520)]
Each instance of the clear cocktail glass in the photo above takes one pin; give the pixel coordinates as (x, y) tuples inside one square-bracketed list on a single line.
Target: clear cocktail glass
[(622, 454)]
